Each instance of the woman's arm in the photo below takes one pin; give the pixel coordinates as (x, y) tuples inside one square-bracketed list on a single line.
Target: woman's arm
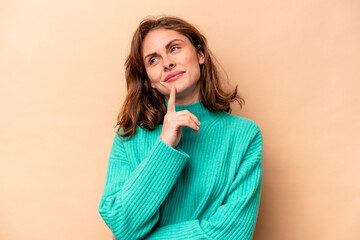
[(131, 200), (132, 197), (236, 218)]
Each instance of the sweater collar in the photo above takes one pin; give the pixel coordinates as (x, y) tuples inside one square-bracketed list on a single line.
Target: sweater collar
[(199, 110)]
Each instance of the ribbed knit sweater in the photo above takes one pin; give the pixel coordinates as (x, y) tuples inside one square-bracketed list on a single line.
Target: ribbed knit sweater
[(208, 187)]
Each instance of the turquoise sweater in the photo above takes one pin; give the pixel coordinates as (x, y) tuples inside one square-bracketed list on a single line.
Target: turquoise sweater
[(207, 188)]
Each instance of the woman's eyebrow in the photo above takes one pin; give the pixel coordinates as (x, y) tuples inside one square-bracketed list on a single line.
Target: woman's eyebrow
[(167, 45)]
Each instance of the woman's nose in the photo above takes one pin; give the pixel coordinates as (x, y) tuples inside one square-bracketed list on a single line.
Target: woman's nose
[(168, 63)]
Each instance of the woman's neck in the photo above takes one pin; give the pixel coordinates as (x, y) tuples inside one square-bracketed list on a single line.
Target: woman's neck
[(188, 96)]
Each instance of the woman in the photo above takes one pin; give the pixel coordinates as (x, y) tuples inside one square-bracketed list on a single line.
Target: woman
[(181, 166)]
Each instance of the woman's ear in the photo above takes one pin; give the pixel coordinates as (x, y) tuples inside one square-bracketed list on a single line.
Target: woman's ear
[(201, 57), (200, 54)]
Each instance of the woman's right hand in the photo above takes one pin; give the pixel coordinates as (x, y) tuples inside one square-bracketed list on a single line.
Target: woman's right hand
[(173, 121)]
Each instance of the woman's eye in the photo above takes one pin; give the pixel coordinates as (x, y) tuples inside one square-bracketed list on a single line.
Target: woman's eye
[(153, 60), (174, 48)]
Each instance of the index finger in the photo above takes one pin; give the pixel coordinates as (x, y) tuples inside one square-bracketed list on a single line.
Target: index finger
[(171, 102)]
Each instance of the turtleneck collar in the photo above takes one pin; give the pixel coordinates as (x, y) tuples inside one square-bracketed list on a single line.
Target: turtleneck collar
[(199, 110)]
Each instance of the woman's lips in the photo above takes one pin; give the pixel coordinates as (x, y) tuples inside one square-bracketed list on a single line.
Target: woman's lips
[(174, 76)]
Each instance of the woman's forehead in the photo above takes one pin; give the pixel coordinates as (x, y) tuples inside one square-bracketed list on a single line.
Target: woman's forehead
[(158, 39)]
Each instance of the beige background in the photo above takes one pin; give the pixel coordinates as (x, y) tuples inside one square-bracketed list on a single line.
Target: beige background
[(62, 84)]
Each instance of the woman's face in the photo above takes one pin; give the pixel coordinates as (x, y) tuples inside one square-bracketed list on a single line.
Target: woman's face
[(170, 59)]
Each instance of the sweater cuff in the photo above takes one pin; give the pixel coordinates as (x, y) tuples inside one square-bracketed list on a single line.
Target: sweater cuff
[(177, 150)]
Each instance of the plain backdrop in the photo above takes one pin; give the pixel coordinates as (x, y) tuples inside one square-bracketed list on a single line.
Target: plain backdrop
[(296, 63)]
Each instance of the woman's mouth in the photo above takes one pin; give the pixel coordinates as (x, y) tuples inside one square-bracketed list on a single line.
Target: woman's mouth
[(173, 76)]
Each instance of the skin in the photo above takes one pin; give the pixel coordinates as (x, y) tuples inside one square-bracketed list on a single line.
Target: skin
[(173, 121), (166, 52)]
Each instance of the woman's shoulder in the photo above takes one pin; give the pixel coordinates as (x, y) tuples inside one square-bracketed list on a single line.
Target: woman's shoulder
[(242, 122), (244, 129)]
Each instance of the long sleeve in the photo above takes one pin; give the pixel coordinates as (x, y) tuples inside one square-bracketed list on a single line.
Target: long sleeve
[(236, 217), (132, 195)]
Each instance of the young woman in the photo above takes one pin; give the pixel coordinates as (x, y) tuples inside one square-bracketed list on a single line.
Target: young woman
[(181, 166)]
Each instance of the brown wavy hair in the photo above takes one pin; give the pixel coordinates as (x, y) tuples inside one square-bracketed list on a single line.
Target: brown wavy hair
[(145, 106)]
